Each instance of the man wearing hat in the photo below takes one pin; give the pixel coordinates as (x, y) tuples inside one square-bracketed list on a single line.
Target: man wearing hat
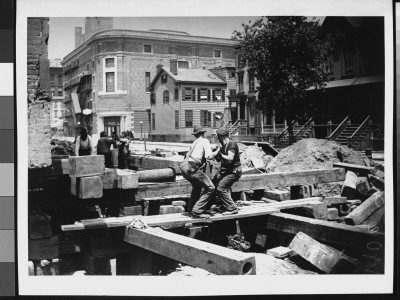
[(193, 170), (231, 170)]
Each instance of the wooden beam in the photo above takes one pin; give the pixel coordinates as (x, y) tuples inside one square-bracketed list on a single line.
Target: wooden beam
[(210, 257), (180, 219), (355, 168), (324, 231), (248, 182)]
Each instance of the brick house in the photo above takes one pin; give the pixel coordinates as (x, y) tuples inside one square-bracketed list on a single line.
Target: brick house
[(182, 98), (108, 72)]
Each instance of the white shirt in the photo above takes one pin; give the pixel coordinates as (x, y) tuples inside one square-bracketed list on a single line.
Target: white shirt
[(202, 147)]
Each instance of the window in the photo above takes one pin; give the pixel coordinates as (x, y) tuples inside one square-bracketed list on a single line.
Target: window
[(60, 79), (328, 66), (110, 63), (147, 49), (176, 94), (240, 83), (109, 75), (193, 94), (93, 64), (59, 92), (240, 61), (232, 92), (177, 119), (202, 94), (164, 78), (153, 121), (231, 74), (217, 95), (87, 67), (215, 120), (110, 82), (223, 95), (166, 96), (188, 118), (208, 95), (182, 64), (205, 118), (217, 53), (93, 79), (147, 80), (252, 83), (348, 59), (153, 99), (188, 94)]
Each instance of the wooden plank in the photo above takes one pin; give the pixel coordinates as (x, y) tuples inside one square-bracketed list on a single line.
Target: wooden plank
[(355, 168), (248, 182), (210, 257), (180, 219), (324, 231)]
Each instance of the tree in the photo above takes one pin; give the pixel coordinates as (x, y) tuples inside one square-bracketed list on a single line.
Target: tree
[(287, 55)]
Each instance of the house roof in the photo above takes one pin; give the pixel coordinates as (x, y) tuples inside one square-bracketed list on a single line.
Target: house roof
[(190, 75)]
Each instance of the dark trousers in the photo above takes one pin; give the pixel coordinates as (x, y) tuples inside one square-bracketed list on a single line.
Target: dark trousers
[(223, 182), (84, 152), (107, 159), (199, 201)]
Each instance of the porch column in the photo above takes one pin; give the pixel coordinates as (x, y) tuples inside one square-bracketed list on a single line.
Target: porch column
[(273, 121)]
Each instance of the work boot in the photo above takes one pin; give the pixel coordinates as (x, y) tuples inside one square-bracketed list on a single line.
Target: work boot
[(230, 212), (199, 216)]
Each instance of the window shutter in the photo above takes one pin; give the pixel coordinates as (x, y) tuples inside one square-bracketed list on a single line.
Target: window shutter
[(209, 119), (223, 95), (198, 95), (208, 95)]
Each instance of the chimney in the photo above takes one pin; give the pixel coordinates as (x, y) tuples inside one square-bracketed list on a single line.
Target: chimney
[(173, 66), (78, 35), (96, 24), (159, 66)]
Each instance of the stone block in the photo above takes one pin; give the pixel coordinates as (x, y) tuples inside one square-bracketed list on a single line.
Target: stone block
[(277, 195), (80, 166), (170, 209), (280, 252), (131, 210), (332, 214), (363, 186), (110, 179), (335, 200), (349, 189), (87, 187), (316, 211), (178, 203), (65, 166), (127, 179)]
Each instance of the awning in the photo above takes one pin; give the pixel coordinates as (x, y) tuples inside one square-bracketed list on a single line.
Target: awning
[(75, 101), (353, 81)]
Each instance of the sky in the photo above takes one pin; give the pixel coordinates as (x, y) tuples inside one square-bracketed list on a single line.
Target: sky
[(62, 29)]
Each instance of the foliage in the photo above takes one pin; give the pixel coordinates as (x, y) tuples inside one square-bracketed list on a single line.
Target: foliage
[(288, 56)]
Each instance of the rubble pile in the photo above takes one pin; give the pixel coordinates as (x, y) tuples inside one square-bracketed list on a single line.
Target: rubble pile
[(249, 153), (62, 147)]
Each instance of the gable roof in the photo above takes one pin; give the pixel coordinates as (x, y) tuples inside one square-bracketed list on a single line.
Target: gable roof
[(190, 76)]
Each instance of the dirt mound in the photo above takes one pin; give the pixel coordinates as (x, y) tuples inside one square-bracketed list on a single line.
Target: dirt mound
[(313, 153), (252, 152)]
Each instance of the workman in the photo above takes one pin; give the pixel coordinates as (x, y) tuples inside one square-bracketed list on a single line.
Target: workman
[(104, 148), (230, 172), (84, 144), (193, 168)]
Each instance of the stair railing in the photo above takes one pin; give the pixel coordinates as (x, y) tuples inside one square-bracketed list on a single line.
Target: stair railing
[(357, 133), (305, 126), (283, 133), (338, 130)]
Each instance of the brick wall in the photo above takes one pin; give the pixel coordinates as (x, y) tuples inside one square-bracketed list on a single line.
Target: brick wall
[(39, 105)]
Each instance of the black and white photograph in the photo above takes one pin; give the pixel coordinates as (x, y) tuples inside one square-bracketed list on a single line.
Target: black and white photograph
[(205, 147)]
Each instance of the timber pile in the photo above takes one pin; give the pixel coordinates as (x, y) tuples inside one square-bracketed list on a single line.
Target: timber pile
[(274, 209)]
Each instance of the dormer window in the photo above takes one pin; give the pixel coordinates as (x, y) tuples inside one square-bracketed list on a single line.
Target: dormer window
[(164, 78)]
